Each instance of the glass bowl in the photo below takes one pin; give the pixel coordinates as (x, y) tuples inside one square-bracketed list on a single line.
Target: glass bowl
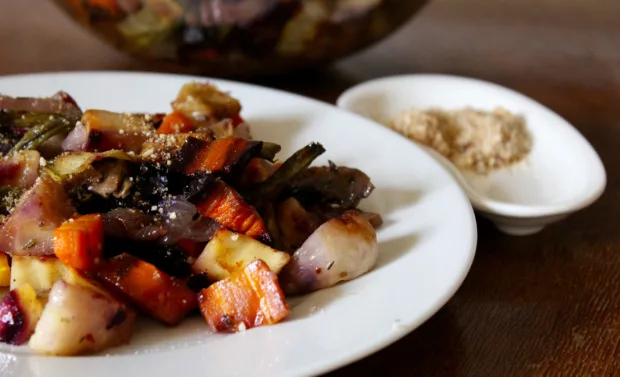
[(241, 37)]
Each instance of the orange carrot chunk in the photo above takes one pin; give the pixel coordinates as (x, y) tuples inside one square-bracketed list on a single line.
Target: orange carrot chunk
[(78, 243), (249, 297), (222, 154), (224, 205), (159, 295), (175, 123)]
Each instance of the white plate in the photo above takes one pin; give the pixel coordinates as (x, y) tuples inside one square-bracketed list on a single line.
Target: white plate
[(561, 175), (426, 245)]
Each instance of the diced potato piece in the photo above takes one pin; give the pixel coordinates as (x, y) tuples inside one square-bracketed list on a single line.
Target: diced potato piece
[(250, 297), (19, 313), (5, 270), (228, 251), (38, 272), (79, 320)]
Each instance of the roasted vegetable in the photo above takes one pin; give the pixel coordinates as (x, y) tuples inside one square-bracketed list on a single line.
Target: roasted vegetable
[(78, 278), (293, 166), (20, 170), (60, 103), (102, 130), (40, 273), (78, 320), (250, 297), (30, 227), (335, 185), (78, 243), (5, 270), (227, 207), (229, 251), (183, 222), (339, 250), (162, 297), (203, 100), (295, 224), (221, 155), (239, 12), (175, 123), (167, 147), (19, 313), (47, 128), (258, 170), (76, 163), (269, 151), (170, 259)]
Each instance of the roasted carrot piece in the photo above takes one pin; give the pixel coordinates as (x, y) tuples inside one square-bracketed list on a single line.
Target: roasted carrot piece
[(249, 297), (161, 296), (78, 243), (224, 205), (222, 154), (175, 123)]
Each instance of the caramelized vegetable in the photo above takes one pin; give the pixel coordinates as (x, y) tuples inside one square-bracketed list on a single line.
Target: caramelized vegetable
[(5, 270), (102, 130), (227, 207), (332, 184), (175, 123), (159, 295), (78, 243), (165, 147), (77, 162), (79, 320), (257, 171), (40, 273), (200, 100), (250, 297), (19, 313), (44, 130), (19, 170), (293, 166), (223, 155), (339, 250), (228, 251), (60, 103), (30, 227)]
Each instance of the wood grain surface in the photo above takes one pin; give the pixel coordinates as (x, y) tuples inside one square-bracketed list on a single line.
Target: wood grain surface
[(547, 304)]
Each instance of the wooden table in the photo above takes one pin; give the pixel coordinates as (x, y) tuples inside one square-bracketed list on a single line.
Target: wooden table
[(547, 304)]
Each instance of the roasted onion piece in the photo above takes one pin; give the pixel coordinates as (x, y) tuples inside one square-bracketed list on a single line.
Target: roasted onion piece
[(339, 250)]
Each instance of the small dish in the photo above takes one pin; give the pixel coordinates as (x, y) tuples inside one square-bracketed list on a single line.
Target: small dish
[(562, 173)]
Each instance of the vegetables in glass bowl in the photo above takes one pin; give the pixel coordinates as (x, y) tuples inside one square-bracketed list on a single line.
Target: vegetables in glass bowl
[(241, 37)]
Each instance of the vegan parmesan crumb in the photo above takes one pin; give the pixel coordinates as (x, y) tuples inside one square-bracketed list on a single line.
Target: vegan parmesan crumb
[(474, 140)]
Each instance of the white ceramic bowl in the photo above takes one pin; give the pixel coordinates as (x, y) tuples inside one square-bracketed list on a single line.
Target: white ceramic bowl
[(561, 175)]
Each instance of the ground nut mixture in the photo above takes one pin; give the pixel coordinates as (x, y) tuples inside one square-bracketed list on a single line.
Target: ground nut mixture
[(474, 140)]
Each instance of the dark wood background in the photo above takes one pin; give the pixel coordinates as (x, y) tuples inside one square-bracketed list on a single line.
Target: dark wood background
[(547, 304)]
